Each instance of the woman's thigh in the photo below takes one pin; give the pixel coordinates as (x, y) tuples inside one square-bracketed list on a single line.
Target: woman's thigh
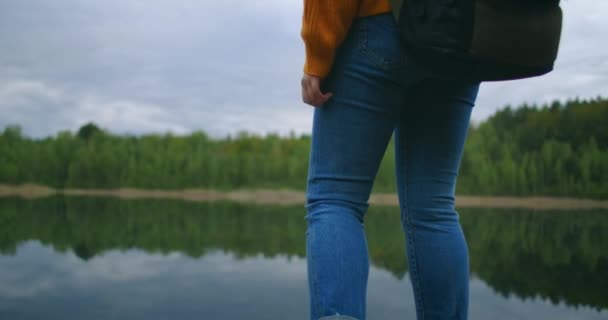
[(429, 140), (351, 130)]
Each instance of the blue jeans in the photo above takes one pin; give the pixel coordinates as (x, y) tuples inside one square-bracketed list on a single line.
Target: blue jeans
[(379, 91)]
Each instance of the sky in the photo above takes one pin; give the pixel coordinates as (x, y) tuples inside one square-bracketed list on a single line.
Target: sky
[(157, 66)]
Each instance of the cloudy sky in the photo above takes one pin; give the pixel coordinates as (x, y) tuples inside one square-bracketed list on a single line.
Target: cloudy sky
[(218, 66)]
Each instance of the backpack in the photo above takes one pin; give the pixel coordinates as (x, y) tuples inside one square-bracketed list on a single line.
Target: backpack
[(481, 40)]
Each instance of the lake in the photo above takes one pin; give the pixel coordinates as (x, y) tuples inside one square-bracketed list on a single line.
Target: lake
[(105, 258)]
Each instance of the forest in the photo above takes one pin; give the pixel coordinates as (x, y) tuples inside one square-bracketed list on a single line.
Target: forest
[(556, 149)]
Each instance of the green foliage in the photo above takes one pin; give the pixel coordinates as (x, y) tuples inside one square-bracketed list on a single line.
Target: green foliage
[(87, 131), (557, 149)]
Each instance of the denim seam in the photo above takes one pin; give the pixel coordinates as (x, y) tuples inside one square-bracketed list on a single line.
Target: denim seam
[(413, 263), (373, 57), (414, 269), (313, 274)]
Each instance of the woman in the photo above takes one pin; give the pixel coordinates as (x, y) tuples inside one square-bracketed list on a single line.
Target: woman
[(365, 88)]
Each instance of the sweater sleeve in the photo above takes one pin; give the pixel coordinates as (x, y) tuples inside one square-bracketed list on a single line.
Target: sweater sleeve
[(325, 24)]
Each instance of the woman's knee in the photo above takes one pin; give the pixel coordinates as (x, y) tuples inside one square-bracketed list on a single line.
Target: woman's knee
[(332, 209), (431, 202)]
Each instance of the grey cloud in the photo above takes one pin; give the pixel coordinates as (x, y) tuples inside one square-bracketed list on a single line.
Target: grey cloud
[(219, 66)]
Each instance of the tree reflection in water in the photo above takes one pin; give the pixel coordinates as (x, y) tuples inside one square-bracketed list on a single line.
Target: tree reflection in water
[(560, 256)]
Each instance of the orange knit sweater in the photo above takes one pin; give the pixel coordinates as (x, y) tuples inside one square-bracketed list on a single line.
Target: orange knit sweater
[(324, 27)]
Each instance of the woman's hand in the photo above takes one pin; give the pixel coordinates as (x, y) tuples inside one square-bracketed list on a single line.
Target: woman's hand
[(311, 91)]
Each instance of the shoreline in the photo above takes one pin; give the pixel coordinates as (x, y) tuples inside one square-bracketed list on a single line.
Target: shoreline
[(292, 197)]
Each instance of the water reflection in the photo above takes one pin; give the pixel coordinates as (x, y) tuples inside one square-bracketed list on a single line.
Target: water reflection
[(161, 259)]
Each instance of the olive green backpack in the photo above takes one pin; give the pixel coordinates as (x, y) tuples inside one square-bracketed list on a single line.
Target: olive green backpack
[(481, 40)]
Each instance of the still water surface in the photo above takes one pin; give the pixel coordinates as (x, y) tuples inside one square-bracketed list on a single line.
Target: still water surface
[(101, 258)]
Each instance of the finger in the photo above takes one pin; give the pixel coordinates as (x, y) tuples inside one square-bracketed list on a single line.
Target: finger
[(318, 96), (327, 95), (321, 98), (311, 96), (307, 95), (305, 91)]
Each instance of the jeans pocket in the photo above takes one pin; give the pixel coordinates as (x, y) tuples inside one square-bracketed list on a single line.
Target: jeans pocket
[(380, 41)]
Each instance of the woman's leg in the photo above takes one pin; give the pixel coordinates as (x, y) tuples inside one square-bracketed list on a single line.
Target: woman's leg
[(349, 137), (429, 139)]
